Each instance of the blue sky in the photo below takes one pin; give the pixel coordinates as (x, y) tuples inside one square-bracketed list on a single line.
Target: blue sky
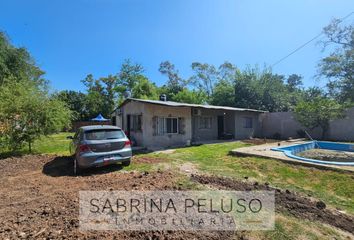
[(70, 39)]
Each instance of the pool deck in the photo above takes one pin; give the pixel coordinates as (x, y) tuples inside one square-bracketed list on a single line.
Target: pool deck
[(264, 150)]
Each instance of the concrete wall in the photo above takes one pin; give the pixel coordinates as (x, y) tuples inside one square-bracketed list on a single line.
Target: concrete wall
[(343, 129), (244, 133), (285, 124), (212, 133), (147, 137), (134, 108), (167, 140)]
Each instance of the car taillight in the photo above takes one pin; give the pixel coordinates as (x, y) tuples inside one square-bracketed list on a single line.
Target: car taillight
[(84, 148), (127, 143)]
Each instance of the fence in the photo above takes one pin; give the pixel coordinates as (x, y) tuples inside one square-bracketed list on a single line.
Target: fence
[(284, 125)]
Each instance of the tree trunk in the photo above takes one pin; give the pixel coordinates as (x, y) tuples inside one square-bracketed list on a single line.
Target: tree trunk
[(30, 146)]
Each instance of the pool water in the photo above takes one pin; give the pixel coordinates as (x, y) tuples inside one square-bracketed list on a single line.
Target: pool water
[(321, 152)]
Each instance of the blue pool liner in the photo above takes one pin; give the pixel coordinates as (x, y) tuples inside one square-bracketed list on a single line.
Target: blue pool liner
[(292, 150)]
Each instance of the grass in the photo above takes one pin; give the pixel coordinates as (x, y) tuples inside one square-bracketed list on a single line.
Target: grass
[(53, 144), (333, 187)]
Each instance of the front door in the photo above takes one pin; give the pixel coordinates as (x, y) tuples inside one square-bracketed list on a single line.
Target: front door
[(127, 131), (220, 126)]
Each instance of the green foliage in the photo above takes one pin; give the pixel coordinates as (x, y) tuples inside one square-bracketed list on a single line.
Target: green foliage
[(27, 112), (262, 90), (224, 94), (76, 102), (318, 113), (175, 83), (144, 89), (204, 78), (16, 63), (190, 96), (338, 67), (101, 96), (128, 77)]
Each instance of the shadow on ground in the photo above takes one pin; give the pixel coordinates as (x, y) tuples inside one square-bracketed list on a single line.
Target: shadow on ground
[(64, 166)]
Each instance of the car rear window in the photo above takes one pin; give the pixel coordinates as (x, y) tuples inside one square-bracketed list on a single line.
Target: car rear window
[(104, 134)]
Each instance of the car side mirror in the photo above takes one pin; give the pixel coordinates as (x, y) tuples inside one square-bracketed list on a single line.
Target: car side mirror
[(69, 137)]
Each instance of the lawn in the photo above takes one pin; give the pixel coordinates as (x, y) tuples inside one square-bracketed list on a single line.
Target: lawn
[(53, 144), (333, 187)]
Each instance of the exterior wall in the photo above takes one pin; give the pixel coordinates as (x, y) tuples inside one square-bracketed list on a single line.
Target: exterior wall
[(134, 108), (147, 137), (212, 133), (343, 129), (244, 133), (285, 124), (167, 140)]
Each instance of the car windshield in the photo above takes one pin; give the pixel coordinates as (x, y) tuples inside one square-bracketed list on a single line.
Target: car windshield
[(104, 134)]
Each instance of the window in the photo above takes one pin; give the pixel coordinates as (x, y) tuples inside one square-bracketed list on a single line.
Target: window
[(167, 125), (204, 122), (248, 122), (104, 134), (135, 122), (171, 125)]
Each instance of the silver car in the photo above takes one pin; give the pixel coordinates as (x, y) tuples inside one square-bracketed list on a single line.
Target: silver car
[(98, 145)]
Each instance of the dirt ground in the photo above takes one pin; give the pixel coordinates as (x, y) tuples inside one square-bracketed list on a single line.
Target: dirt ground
[(328, 155), (296, 205), (39, 199)]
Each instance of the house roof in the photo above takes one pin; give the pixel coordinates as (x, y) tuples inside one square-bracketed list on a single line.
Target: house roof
[(179, 104)]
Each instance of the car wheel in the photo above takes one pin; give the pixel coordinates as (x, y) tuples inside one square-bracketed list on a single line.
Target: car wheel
[(76, 168), (126, 163)]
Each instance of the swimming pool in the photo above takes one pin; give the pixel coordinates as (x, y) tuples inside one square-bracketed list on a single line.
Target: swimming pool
[(292, 150)]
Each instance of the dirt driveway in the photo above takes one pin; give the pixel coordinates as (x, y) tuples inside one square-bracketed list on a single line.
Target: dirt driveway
[(39, 199)]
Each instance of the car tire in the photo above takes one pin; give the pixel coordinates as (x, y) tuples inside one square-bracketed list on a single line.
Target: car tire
[(126, 163), (77, 169)]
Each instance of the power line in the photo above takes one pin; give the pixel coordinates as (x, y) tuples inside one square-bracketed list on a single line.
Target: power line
[(306, 43)]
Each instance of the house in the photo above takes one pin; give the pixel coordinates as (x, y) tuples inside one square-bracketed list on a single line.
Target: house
[(159, 124)]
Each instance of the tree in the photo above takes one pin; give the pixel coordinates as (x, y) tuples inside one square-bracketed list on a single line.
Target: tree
[(128, 77), (144, 89), (101, 95), (175, 83), (224, 94), (95, 99), (338, 67), (318, 113), (204, 78), (294, 82), (28, 112), (224, 89), (190, 96), (261, 90), (16, 63), (76, 102)]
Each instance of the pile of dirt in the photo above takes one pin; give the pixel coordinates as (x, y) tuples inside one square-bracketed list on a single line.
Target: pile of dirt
[(298, 206), (39, 199), (328, 155)]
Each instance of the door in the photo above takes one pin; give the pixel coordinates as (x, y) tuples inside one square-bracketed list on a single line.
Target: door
[(220, 126), (127, 131)]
